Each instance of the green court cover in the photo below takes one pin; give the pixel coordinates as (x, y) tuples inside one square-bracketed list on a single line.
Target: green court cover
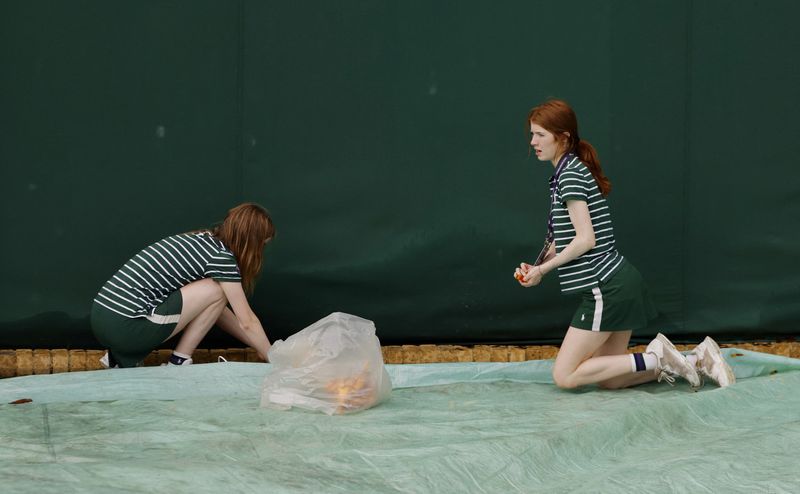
[(467, 427)]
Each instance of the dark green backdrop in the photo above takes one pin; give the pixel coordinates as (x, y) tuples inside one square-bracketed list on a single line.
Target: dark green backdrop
[(388, 140)]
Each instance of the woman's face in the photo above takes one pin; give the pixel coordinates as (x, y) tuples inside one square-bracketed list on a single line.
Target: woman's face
[(545, 144)]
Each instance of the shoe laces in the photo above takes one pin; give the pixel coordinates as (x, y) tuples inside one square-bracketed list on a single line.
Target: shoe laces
[(666, 377), (663, 374)]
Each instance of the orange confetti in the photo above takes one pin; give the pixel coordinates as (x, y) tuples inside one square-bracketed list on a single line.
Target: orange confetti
[(352, 392)]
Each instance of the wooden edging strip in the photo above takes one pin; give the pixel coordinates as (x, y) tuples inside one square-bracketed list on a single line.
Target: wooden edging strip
[(24, 362)]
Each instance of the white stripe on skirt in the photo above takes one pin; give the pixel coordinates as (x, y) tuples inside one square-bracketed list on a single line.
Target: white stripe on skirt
[(159, 319), (598, 308)]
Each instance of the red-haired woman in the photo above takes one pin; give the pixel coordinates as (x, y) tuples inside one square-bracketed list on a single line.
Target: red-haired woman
[(614, 298), (183, 284)]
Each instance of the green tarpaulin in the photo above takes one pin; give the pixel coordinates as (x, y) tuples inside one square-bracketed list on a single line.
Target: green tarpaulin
[(471, 427)]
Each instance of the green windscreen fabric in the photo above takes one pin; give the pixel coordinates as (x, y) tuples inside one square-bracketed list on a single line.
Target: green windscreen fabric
[(388, 140), (471, 427)]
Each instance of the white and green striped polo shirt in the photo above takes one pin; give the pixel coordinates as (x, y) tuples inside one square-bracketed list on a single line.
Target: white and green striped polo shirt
[(576, 183), (145, 281)]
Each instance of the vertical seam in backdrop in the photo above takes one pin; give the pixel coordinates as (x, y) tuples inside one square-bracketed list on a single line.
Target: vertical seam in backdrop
[(239, 157), (686, 168)]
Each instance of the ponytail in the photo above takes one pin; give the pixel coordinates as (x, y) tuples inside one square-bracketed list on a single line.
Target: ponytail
[(588, 156)]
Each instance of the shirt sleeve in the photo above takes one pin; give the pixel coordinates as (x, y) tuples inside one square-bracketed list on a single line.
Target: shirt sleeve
[(223, 267), (572, 186)]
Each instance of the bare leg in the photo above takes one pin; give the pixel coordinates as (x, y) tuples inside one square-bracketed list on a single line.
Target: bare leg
[(230, 324), (617, 344), (576, 364), (203, 302), (227, 322)]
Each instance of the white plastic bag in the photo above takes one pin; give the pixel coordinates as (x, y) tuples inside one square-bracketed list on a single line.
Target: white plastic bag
[(334, 366)]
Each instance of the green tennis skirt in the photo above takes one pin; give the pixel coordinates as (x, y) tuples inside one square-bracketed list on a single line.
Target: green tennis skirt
[(621, 303), (131, 339)]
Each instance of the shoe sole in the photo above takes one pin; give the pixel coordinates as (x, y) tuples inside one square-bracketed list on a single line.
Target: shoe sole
[(725, 366)]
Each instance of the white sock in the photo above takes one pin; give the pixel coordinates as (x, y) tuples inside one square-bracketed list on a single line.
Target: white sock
[(650, 362)]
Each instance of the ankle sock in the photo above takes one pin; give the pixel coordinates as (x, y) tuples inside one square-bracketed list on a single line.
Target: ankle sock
[(643, 362), (178, 358)]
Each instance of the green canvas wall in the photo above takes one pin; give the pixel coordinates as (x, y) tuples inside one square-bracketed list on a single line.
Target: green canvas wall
[(388, 140)]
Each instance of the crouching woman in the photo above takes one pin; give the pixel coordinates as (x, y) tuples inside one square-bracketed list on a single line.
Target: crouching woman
[(185, 284)]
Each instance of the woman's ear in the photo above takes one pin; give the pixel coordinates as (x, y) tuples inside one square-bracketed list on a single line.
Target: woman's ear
[(567, 139)]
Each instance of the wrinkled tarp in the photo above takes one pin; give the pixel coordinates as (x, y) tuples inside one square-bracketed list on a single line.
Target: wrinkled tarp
[(467, 427)]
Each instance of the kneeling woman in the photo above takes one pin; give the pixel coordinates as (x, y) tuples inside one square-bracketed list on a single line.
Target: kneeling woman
[(615, 300), (184, 284)]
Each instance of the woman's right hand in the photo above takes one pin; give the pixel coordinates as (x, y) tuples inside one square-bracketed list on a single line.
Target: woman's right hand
[(521, 271)]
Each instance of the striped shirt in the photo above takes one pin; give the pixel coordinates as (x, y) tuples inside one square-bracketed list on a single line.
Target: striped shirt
[(145, 281), (574, 182)]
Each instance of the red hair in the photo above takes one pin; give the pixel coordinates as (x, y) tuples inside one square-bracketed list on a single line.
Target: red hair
[(559, 119), (244, 231)]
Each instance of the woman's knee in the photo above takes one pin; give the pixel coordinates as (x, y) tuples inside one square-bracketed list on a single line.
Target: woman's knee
[(207, 290), (563, 379), (216, 295)]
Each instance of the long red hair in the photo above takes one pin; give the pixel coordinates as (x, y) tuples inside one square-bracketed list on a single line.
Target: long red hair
[(558, 118), (244, 231)]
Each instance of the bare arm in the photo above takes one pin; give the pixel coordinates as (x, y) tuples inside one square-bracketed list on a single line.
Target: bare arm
[(584, 237), (242, 322), (583, 242)]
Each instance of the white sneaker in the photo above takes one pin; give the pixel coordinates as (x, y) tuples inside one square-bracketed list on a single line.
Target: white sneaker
[(711, 363), (105, 362), (671, 362)]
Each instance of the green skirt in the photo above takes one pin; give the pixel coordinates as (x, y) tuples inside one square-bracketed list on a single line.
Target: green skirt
[(621, 303), (131, 339)]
